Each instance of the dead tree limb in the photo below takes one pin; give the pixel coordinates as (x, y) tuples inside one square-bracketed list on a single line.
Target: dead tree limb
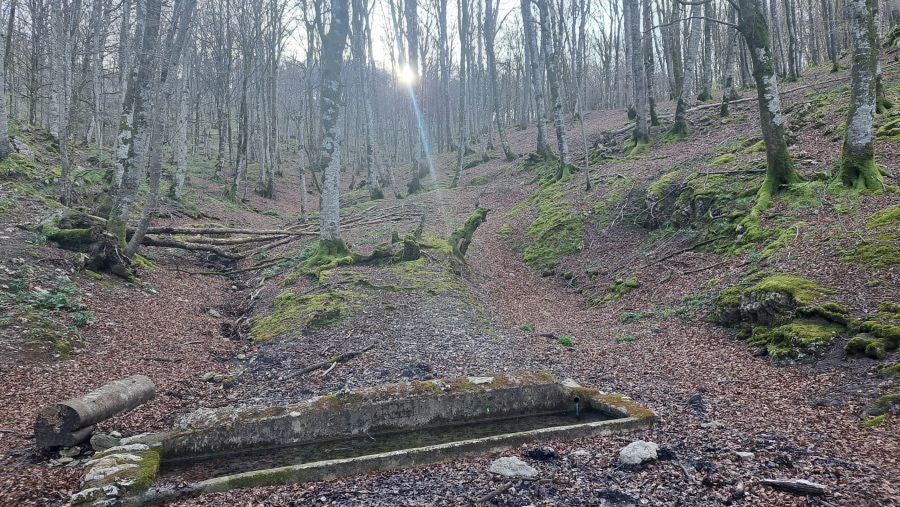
[(334, 360), (173, 243)]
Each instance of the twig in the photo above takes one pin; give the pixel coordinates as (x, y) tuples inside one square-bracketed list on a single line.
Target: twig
[(496, 492), (324, 364)]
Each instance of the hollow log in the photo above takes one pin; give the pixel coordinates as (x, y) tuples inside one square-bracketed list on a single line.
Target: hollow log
[(70, 422)]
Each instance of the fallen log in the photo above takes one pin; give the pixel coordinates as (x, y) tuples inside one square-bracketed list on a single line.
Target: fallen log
[(70, 422), (173, 243), (795, 486)]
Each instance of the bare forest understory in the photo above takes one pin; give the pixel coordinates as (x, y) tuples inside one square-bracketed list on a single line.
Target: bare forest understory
[(622, 287)]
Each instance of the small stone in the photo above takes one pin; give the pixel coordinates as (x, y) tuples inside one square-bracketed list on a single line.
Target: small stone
[(115, 434), (69, 452), (580, 455), (638, 452), (208, 376), (241, 357), (64, 460), (712, 425), (513, 468), (102, 441), (481, 380), (215, 313), (540, 453), (745, 456)]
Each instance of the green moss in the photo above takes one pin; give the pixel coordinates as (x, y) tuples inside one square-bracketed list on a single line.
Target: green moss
[(757, 147), (865, 345), (146, 472), (639, 148), (881, 245), (625, 339), (723, 159), (93, 275), (883, 404), (657, 189), (318, 260), (503, 232), (433, 242), (462, 237), (294, 313), (70, 239), (802, 290), (888, 370), (528, 328), (890, 130), (888, 217), (871, 422), (619, 288), (565, 341), (796, 340), (555, 232)]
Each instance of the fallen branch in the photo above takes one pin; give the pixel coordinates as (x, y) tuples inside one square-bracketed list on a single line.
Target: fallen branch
[(679, 252), (795, 486), (494, 493), (338, 359), (197, 231), (173, 243)]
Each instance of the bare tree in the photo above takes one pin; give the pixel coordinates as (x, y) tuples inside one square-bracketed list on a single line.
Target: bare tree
[(537, 76), (332, 107), (490, 33)]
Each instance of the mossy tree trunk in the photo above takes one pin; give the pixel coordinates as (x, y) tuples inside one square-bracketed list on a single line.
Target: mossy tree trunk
[(332, 134), (4, 118), (779, 168), (858, 168)]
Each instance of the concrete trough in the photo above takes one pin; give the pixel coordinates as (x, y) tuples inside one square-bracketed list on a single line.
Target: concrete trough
[(498, 412)]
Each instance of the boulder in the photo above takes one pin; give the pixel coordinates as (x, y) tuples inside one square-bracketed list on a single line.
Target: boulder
[(513, 468), (102, 441), (638, 452)]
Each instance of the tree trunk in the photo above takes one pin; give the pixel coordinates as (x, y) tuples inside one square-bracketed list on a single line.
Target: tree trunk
[(831, 31), (537, 77), (59, 424), (4, 117), (779, 168), (649, 62), (641, 132), (857, 165), (551, 59), (464, 61), (332, 134), (490, 30)]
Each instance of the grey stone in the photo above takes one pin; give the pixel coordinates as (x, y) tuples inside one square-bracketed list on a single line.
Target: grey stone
[(215, 313), (745, 456), (69, 452), (712, 425), (481, 380), (65, 459), (102, 441), (513, 468), (638, 452)]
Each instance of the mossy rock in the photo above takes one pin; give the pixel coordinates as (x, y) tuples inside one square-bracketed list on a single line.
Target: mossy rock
[(888, 403), (797, 340), (292, 313), (889, 130), (772, 300)]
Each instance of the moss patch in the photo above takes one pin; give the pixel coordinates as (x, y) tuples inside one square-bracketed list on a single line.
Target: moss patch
[(555, 232), (797, 340), (293, 313), (880, 247)]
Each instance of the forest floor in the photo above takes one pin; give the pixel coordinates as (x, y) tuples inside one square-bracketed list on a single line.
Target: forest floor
[(66, 332)]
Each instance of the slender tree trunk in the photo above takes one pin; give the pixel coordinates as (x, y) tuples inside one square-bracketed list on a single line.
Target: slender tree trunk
[(831, 31), (537, 77), (551, 59), (4, 117), (464, 61), (180, 151), (706, 64), (649, 62), (332, 135), (857, 165), (490, 30), (641, 131)]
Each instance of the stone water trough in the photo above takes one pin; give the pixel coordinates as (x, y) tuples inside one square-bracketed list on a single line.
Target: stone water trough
[(386, 427)]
